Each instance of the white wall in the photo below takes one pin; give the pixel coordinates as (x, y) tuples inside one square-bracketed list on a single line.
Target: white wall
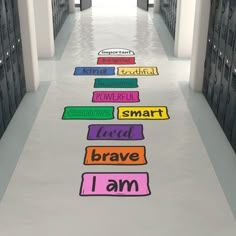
[(184, 28)]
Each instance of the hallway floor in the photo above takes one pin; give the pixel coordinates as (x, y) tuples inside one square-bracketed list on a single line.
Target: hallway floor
[(191, 165)]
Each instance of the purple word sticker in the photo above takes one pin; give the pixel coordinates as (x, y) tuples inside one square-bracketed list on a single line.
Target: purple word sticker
[(115, 132)]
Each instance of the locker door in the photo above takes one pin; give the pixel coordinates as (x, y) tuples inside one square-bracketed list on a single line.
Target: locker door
[(21, 67), (217, 24), (221, 56), (229, 52), (207, 64), (3, 22), (233, 139), (10, 81), (215, 51), (231, 105), (211, 80), (4, 94), (1, 119), (231, 31), (16, 18), (10, 20), (16, 78)]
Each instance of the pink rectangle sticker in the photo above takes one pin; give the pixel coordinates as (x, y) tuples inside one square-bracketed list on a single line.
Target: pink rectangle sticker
[(115, 184), (125, 97)]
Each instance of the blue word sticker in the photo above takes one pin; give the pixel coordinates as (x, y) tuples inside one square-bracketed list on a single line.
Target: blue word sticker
[(94, 71)]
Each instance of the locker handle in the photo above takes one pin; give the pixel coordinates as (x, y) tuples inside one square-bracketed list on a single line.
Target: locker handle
[(1, 93), (215, 80), (8, 85), (221, 88), (228, 99)]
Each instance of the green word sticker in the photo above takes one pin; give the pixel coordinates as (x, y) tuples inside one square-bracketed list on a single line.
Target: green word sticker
[(116, 83), (88, 113)]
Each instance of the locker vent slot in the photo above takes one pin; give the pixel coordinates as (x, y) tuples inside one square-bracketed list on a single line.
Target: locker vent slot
[(233, 84)]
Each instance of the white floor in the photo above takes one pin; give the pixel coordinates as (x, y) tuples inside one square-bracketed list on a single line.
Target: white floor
[(189, 197)]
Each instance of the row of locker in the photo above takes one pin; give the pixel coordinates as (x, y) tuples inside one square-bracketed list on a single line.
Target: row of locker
[(60, 10), (168, 10), (9, 23), (12, 83), (219, 86), (12, 76)]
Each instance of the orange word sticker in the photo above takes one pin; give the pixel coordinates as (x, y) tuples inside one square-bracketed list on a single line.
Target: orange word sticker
[(108, 155)]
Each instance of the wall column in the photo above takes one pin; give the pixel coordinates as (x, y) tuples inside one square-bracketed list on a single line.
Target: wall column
[(72, 6), (200, 44), (29, 44), (184, 28), (157, 4), (44, 28)]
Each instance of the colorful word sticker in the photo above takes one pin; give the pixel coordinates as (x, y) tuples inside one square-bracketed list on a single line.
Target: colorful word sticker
[(110, 96), (107, 155), (143, 113), (115, 184), (116, 83), (88, 113), (137, 71), (116, 52), (115, 132), (116, 60), (94, 71)]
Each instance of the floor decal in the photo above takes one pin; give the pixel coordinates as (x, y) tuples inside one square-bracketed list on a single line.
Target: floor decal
[(116, 52), (108, 155), (116, 83), (116, 60), (116, 97), (88, 113), (115, 132), (94, 71), (115, 184), (137, 71), (143, 113)]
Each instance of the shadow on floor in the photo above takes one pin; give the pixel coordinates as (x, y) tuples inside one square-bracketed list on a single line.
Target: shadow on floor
[(17, 133), (219, 150)]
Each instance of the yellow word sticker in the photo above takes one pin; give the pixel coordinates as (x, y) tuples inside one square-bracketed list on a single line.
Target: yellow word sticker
[(143, 113), (137, 71)]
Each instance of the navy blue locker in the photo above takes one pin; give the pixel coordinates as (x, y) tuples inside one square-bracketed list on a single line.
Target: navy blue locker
[(21, 67), (211, 80), (207, 64), (6, 116), (214, 57), (229, 52), (217, 23), (231, 31), (224, 92), (16, 78), (4, 27), (16, 18), (231, 105), (233, 138), (10, 81), (221, 55), (2, 129), (10, 20)]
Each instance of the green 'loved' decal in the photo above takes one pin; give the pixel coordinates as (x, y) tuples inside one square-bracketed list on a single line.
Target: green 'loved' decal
[(88, 113)]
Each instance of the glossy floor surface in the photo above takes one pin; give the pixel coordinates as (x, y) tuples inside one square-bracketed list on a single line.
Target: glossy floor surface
[(191, 165)]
